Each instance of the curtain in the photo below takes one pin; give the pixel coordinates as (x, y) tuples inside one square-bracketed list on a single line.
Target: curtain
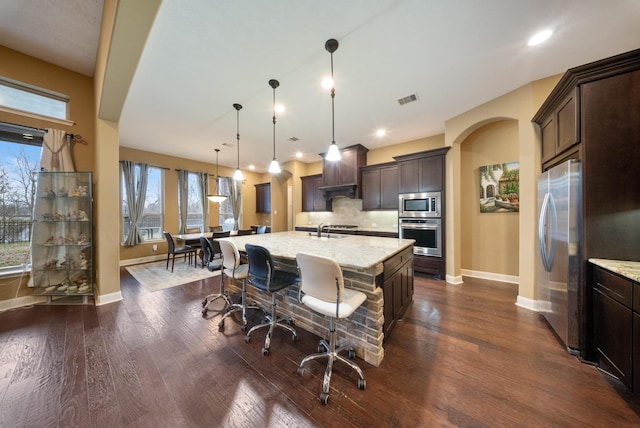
[(183, 199), (56, 152), (136, 194), (235, 198), (203, 188)]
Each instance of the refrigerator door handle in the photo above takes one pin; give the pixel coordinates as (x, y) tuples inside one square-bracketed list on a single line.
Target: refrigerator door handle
[(548, 210)]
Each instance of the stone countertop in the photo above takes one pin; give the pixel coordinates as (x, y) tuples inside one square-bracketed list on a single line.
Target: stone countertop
[(628, 269), (351, 251)]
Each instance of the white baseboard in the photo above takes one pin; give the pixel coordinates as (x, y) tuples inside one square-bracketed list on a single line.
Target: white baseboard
[(140, 260), (21, 301), (108, 298), (527, 303), (490, 275), (455, 280)]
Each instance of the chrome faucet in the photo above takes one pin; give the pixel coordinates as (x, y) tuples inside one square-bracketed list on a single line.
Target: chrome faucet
[(320, 229)]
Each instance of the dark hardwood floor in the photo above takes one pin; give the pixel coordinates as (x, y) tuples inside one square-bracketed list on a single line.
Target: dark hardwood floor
[(463, 356)]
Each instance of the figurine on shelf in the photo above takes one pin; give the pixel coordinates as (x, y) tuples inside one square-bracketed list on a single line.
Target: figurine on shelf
[(47, 217), (82, 239), (79, 191), (84, 263), (49, 240), (62, 263), (51, 264), (62, 191), (48, 193), (81, 215)]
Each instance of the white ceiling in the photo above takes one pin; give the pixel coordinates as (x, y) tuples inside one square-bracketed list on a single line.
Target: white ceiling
[(202, 56)]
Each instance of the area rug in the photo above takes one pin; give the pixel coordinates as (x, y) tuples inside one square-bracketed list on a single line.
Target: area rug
[(155, 276)]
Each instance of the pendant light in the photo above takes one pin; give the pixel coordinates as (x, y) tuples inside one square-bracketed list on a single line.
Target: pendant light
[(217, 197), (238, 174), (333, 154), (274, 167)]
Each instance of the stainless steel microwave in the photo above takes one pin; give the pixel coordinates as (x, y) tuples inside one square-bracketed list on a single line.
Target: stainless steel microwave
[(422, 205)]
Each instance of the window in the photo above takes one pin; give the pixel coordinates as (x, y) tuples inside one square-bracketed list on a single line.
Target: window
[(19, 96), (153, 214), (225, 210), (18, 167), (195, 212)]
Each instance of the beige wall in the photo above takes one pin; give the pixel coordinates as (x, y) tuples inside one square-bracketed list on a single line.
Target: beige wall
[(489, 240), (79, 88), (519, 105)]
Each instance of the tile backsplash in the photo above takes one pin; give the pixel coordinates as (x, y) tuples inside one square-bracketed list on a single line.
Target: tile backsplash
[(349, 211)]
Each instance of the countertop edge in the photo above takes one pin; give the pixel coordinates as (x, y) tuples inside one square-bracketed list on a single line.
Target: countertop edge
[(626, 268)]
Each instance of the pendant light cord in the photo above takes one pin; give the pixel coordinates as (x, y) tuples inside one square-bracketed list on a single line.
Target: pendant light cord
[(274, 122), (333, 96)]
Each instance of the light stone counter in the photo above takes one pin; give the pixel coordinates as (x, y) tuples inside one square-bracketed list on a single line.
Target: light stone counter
[(627, 269), (362, 261), (361, 253)]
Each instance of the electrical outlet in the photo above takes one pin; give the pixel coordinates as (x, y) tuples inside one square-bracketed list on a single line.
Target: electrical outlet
[(154, 247)]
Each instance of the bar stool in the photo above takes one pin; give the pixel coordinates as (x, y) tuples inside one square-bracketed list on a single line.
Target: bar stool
[(264, 276), (322, 290), (232, 268)]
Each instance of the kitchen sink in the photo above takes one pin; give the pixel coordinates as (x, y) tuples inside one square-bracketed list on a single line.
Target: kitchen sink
[(328, 235)]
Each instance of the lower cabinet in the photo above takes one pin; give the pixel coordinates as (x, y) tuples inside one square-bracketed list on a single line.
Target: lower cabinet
[(397, 287), (614, 326)]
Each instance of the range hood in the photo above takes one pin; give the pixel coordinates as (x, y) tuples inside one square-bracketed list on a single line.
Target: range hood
[(346, 190)]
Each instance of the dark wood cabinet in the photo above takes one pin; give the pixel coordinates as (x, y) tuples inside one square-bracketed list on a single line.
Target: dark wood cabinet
[(560, 128), (380, 187), (263, 198), (312, 197), (613, 322), (397, 288), (422, 172)]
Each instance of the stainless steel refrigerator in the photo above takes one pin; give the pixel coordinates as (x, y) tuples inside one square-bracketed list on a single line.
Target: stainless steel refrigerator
[(558, 262)]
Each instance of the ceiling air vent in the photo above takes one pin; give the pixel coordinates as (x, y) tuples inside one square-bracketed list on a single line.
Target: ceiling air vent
[(294, 139), (408, 99)]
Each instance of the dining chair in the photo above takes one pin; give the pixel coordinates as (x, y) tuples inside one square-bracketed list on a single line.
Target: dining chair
[(242, 232), (212, 255), (173, 250), (261, 229), (264, 275), (192, 230), (322, 290)]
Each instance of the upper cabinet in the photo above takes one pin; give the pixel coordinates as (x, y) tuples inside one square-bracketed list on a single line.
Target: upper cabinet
[(422, 172), (346, 171), (380, 187), (263, 198), (560, 127), (312, 197)]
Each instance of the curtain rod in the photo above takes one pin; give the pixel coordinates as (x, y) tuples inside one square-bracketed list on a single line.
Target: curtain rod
[(198, 172), (44, 131), (152, 166)]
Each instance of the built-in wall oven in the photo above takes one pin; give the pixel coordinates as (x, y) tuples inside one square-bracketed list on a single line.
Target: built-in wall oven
[(425, 231), (419, 219)]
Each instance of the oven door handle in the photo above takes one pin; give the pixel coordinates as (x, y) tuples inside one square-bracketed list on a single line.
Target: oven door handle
[(419, 227)]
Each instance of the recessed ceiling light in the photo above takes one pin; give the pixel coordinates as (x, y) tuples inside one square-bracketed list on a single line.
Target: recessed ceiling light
[(279, 108), (327, 83), (381, 132), (540, 37), (252, 167), (298, 154)]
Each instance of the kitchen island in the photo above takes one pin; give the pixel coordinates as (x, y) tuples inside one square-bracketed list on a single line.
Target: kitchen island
[(382, 268)]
